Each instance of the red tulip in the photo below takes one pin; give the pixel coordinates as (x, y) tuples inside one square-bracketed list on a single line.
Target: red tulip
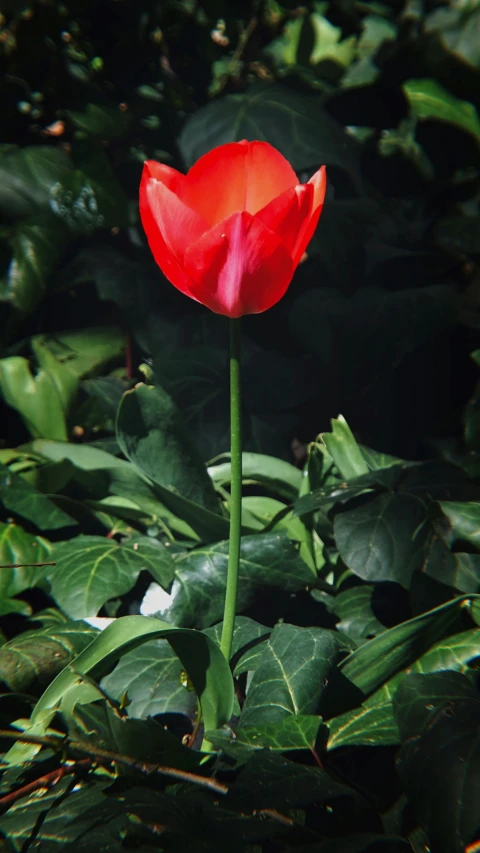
[(231, 233)]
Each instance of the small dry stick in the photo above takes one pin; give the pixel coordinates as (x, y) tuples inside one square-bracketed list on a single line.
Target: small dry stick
[(24, 565), (49, 780)]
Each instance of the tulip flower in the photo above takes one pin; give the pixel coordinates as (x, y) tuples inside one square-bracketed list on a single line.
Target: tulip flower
[(231, 233)]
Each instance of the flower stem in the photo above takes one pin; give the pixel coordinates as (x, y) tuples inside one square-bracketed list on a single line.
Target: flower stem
[(235, 491)]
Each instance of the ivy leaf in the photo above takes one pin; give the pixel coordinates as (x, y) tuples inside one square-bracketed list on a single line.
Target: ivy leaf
[(384, 539), (26, 176), (369, 666), (295, 124), (19, 497), (292, 733), (35, 251), (18, 546), (441, 714), (55, 814), (279, 477), (464, 518), (291, 675), (247, 634), (153, 436), (271, 781), (267, 561), (31, 660), (91, 570), (373, 723), (100, 725), (206, 666), (151, 677), (357, 618)]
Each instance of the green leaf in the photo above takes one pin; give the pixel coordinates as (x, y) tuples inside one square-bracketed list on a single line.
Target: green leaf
[(153, 436), (447, 748), (103, 121), (151, 677), (54, 814), (291, 674), (463, 39), (274, 514), (342, 492), (19, 497), (14, 605), (246, 635), (267, 561), (379, 461), (196, 377), (271, 781), (84, 352), (420, 696), (344, 450), (35, 398), (26, 176), (101, 472), (101, 726), (385, 538), (377, 660), (91, 570), (35, 251), (375, 31), (464, 518), (373, 723), (326, 43), (31, 660), (84, 204), (295, 124), (355, 612), (200, 656), (292, 733), (279, 477), (17, 546), (429, 100)]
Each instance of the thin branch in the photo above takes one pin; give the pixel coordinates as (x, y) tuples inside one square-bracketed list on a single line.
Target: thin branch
[(148, 767), (25, 565), (49, 780), (110, 756)]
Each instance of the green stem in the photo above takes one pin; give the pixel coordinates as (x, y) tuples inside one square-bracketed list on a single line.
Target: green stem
[(235, 491)]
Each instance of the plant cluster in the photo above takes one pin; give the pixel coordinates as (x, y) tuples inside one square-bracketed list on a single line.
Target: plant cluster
[(347, 719)]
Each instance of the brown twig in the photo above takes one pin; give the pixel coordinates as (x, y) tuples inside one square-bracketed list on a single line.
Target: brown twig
[(49, 780), (148, 767), (25, 565), (114, 757)]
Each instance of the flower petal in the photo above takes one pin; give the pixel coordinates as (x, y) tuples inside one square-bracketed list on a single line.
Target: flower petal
[(288, 214), (234, 177), (171, 178), (169, 224), (239, 267), (319, 183)]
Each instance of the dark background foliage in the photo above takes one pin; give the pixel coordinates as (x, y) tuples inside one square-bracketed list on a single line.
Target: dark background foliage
[(360, 581)]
